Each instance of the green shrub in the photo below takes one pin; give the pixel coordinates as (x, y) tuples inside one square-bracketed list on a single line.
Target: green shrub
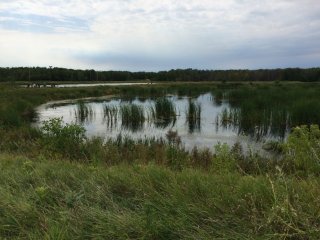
[(224, 160), (66, 139), (303, 149)]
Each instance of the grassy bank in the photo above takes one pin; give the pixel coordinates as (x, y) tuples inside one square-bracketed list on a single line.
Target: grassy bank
[(41, 198), (57, 184)]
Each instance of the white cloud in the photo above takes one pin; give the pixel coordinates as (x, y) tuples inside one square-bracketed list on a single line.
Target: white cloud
[(142, 34)]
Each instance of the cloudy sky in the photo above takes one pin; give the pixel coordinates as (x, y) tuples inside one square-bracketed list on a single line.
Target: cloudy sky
[(160, 35)]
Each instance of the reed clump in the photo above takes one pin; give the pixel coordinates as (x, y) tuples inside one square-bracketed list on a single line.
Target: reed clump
[(218, 97), (275, 109), (84, 112), (163, 112), (193, 116), (110, 115), (132, 116)]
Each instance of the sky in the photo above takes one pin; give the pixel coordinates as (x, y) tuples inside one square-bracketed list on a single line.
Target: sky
[(146, 35)]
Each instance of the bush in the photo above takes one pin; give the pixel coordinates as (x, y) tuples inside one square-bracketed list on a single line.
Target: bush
[(66, 139), (303, 149), (224, 160)]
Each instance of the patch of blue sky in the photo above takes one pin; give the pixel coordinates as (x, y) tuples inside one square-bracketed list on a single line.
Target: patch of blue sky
[(41, 24)]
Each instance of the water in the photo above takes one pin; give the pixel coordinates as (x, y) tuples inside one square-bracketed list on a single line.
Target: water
[(100, 84), (87, 84), (206, 131)]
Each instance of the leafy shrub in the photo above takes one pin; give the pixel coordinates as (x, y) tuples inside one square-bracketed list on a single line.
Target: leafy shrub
[(66, 139), (224, 160), (303, 149)]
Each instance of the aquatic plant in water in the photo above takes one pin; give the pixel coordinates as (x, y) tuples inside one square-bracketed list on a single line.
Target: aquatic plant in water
[(110, 115), (163, 112), (132, 116), (84, 112), (193, 116)]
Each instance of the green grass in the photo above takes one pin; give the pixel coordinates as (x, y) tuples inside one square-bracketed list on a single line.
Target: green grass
[(193, 116), (57, 199), (132, 116), (229, 117), (260, 110), (84, 112), (110, 115), (163, 112)]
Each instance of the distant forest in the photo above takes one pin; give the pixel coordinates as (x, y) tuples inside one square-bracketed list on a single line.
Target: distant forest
[(35, 74)]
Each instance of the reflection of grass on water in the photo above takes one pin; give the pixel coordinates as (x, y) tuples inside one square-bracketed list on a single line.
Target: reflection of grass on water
[(269, 110), (229, 117), (257, 124), (132, 116), (163, 112), (193, 116), (84, 112)]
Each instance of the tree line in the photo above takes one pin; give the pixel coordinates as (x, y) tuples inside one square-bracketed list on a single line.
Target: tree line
[(35, 74)]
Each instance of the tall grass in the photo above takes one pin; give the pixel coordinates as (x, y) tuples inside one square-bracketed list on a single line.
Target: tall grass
[(218, 97), (230, 116), (16, 113), (84, 112), (132, 116), (110, 115), (271, 110), (163, 112), (41, 198), (193, 116)]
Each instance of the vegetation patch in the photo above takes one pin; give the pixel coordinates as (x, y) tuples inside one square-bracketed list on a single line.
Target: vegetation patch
[(57, 184)]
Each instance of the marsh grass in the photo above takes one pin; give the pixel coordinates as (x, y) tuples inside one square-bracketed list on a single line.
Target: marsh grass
[(193, 116), (16, 113), (148, 189), (163, 112), (218, 97), (267, 123), (17, 105), (270, 110), (132, 116), (230, 116), (161, 89), (110, 115), (84, 112)]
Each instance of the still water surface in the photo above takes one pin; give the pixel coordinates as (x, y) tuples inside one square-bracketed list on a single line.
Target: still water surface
[(207, 132)]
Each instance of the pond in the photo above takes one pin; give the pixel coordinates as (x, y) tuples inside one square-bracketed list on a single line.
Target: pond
[(202, 121)]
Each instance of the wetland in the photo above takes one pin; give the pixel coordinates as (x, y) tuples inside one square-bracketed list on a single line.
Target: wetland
[(249, 115)]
